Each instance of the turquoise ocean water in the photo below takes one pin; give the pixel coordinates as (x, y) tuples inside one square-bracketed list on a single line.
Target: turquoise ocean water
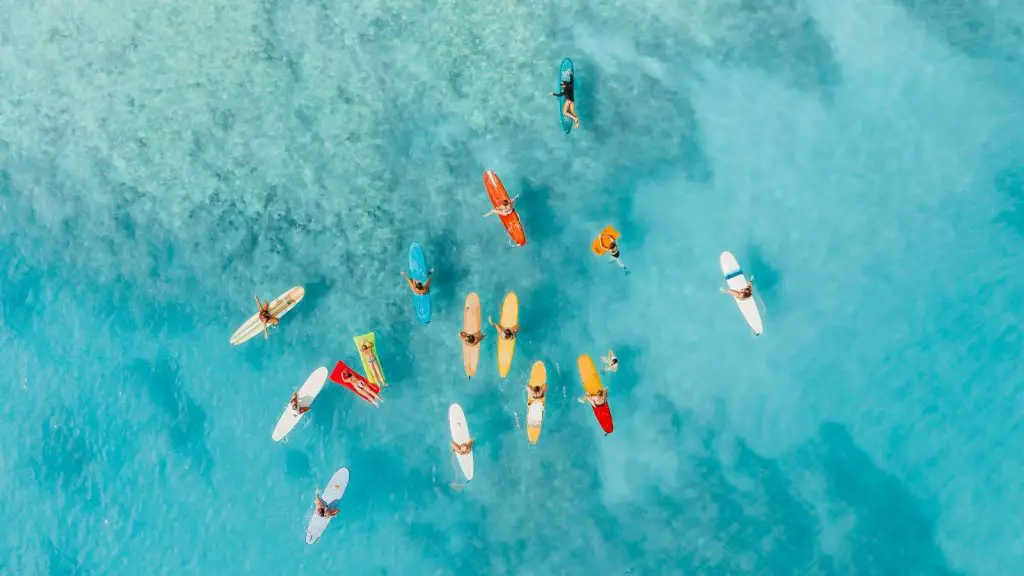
[(161, 162)]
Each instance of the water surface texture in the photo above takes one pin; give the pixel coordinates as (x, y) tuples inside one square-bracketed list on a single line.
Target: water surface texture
[(161, 162)]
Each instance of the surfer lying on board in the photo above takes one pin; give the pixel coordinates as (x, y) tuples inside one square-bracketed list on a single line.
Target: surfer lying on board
[(463, 449), (505, 208), (506, 333), (295, 404), (471, 339), (598, 399), (323, 510), (569, 110), (420, 288), (611, 362), (366, 349), (747, 292)]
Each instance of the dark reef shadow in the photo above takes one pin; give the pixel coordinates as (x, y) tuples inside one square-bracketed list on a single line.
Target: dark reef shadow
[(536, 210), (297, 464), (186, 421), (766, 276), (450, 271), (1010, 183), (892, 535), (968, 26)]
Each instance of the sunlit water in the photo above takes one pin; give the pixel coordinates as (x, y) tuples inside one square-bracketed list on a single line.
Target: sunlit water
[(161, 162)]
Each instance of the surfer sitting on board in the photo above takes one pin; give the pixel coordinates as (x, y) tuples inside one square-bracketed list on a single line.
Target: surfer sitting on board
[(569, 110), (611, 362), (420, 288), (506, 333), (323, 510), (463, 449), (747, 292), (505, 208), (265, 316), (295, 404), (600, 398), (536, 392), (471, 339)]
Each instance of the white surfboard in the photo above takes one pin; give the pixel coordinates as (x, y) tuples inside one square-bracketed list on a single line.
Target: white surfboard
[(460, 434), (307, 393), (332, 494), (735, 280)]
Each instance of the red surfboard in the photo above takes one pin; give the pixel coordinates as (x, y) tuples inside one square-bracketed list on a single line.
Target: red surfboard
[(604, 417), (496, 190), (356, 382)]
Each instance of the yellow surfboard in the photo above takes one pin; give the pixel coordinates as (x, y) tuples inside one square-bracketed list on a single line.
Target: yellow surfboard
[(588, 374), (535, 408), (509, 318), (600, 244)]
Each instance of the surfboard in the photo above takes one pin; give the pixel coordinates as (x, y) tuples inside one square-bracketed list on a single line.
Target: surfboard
[(419, 272), (535, 408), (367, 391), (496, 191), (735, 280), (565, 72), (460, 434), (331, 495), (371, 365), (278, 308), (600, 243), (307, 393), (509, 318), (471, 325), (592, 385)]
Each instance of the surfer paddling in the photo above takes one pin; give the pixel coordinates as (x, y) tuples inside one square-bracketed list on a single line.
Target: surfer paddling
[(505, 208), (463, 449), (747, 291), (505, 333), (295, 404), (323, 510), (611, 362), (568, 90), (419, 288)]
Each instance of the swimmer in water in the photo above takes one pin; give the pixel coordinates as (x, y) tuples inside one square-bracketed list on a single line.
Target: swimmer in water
[(611, 362)]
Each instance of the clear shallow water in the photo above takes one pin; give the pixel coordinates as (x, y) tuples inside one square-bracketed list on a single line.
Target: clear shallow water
[(160, 163)]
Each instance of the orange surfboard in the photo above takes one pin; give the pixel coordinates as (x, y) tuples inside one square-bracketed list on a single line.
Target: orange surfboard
[(496, 190), (600, 244)]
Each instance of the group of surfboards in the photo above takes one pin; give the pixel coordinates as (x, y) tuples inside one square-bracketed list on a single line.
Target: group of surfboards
[(369, 384)]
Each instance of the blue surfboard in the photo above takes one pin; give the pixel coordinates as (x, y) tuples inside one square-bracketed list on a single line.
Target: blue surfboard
[(564, 73), (419, 272)]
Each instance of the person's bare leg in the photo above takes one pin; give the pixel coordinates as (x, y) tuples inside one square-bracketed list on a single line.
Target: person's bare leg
[(573, 115)]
